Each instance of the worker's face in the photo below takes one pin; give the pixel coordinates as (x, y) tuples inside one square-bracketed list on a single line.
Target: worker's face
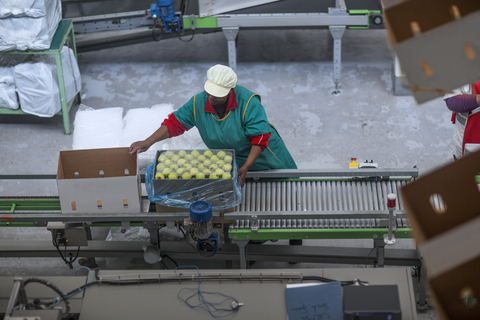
[(215, 101)]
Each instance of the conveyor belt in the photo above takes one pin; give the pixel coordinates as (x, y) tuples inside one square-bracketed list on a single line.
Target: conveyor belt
[(319, 195)]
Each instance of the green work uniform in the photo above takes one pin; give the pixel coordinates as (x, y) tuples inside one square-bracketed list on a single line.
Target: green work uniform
[(232, 131)]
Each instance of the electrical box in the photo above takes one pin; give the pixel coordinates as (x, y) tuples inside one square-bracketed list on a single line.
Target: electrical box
[(380, 302), (98, 181)]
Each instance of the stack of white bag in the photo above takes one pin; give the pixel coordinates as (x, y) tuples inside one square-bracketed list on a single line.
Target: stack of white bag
[(8, 96), (37, 83), (28, 24)]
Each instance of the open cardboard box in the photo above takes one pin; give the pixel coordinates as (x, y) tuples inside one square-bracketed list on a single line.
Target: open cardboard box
[(443, 209), (436, 42), (98, 181)]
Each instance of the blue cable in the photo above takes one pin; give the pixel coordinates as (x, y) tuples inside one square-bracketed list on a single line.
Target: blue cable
[(210, 307), (89, 271)]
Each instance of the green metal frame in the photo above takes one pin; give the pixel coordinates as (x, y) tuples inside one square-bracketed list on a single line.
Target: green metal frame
[(367, 12), (297, 234), (64, 31), (200, 23)]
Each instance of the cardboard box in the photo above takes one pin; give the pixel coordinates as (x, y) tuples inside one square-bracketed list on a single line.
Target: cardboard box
[(98, 181), (181, 193), (443, 209), (436, 42)]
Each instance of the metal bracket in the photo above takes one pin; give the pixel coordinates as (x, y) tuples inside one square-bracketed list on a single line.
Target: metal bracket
[(337, 34), (192, 22), (125, 226), (254, 223), (231, 35), (171, 225)]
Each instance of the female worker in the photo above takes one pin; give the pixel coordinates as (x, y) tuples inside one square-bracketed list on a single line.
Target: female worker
[(465, 104), (227, 116)]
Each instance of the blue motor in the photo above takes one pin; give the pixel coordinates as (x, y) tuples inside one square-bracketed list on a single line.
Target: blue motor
[(164, 10), (200, 227)]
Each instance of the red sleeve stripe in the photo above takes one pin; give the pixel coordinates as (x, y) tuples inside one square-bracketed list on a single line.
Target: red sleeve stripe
[(175, 128), (261, 140)]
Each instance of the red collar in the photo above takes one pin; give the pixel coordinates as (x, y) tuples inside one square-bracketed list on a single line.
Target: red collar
[(231, 103)]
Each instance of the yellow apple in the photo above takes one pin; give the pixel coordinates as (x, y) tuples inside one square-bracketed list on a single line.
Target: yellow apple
[(219, 171), (162, 158), (201, 167), (207, 171), (213, 166), (195, 153), (194, 162), (200, 175), (160, 167), (214, 158), (167, 171), (228, 159), (169, 154), (208, 153), (172, 176), (180, 171), (201, 158), (221, 154), (226, 175), (159, 176), (168, 162), (188, 166), (221, 163), (186, 175), (173, 166), (213, 176), (175, 158), (182, 153), (227, 167), (194, 171), (181, 162), (207, 162)]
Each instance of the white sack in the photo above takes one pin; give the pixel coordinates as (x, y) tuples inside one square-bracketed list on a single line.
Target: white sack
[(23, 8), (37, 87), (8, 95), (30, 33), (71, 73), (97, 128)]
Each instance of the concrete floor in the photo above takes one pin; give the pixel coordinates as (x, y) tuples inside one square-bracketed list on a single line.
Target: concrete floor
[(292, 71)]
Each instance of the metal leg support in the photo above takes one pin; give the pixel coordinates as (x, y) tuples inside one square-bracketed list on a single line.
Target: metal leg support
[(337, 34), (380, 246), (231, 35), (89, 262), (422, 289), (242, 250)]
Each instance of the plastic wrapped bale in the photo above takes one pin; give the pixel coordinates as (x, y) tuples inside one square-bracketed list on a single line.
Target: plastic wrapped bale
[(24, 8), (31, 33), (8, 95), (177, 178), (71, 73), (37, 87)]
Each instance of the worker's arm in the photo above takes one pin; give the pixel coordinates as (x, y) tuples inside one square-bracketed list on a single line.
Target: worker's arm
[(463, 103), (142, 146), (255, 152)]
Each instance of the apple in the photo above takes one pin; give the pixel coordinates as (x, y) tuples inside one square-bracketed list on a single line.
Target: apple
[(169, 154), (189, 157), (175, 158), (181, 162), (194, 162), (173, 166), (227, 167), (180, 171), (160, 167), (187, 167), (228, 159), (226, 175), (221, 163), (213, 166), (200, 175), (182, 153), (207, 171), (207, 162), (201, 167), (219, 171), (194, 171), (208, 153), (168, 162), (195, 153), (172, 176), (201, 158), (159, 176), (213, 176), (162, 158), (167, 171), (186, 175), (214, 158)]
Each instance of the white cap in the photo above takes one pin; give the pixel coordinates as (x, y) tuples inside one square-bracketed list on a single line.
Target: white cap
[(221, 79)]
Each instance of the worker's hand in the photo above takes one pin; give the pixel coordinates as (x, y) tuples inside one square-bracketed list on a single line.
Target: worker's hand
[(242, 174), (139, 146)]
